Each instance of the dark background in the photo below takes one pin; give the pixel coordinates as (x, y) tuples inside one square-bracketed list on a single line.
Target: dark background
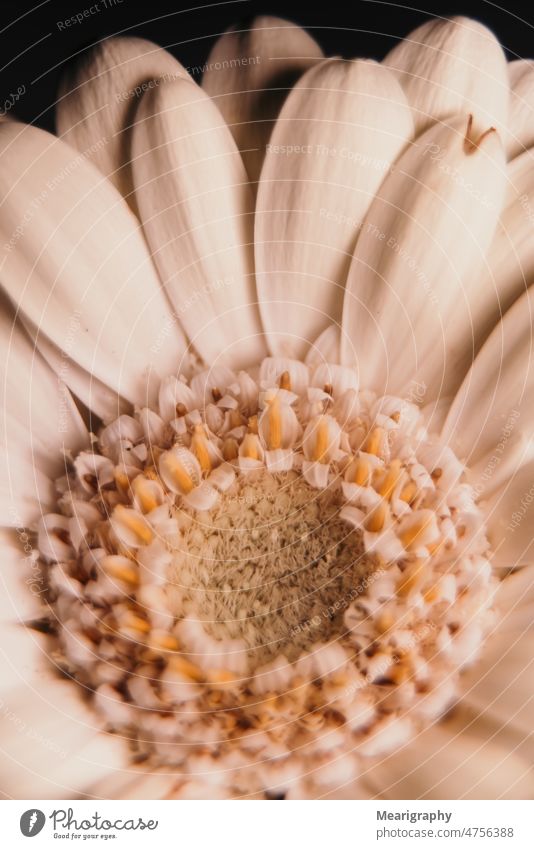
[(33, 48)]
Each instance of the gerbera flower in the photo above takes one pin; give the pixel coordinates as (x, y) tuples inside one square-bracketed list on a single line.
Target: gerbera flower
[(268, 424)]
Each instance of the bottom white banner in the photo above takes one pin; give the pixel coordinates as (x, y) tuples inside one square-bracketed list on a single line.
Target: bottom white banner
[(260, 825)]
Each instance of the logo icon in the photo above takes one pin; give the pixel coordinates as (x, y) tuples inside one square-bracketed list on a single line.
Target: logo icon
[(32, 822)]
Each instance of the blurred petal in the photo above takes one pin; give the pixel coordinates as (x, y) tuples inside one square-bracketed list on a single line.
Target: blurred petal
[(248, 74), (521, 120), (337, 136), (450, 67), (456, 759), (39, 423), (196, 208), (491, 421), (509, 266), (407, 315), (509, 519), (78, 268), (97, 100), (500, 688)]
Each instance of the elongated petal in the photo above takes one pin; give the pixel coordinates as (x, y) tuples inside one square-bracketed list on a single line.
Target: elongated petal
[(509, 519), (249, 73), (453, 66), (39, 422), (521, 120), (509, 268), (77, 266), (196, 209), (341, 128), (501, 686), (491, 420), (97, 397), (407, 310), (97, 99), (456, 759)]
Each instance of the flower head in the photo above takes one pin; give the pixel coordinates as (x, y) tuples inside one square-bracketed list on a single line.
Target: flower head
[(269, 412)]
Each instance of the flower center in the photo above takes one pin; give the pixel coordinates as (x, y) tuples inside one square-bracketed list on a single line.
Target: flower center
[(266, 562), (272, 564)]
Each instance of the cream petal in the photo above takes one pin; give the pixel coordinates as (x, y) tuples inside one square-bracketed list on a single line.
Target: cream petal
[(521, 118), (500, 687), (340, 130), (509, 520), (406, 314), (325, 349), (456, 759), (453, 66), (50, 744), (96, 396), (492, 415), (249, 73), (39, 423), (78, 268), (97, 99), (196, 208), (509, 266)]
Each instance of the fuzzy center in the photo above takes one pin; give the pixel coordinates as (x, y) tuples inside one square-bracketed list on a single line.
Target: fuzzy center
[(272, 564)]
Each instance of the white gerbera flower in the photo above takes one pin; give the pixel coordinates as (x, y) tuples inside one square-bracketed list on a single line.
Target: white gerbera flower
[(268, 415)]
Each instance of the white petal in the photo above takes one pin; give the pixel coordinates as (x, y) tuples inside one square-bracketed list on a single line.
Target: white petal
[(521, 119), (500, 686), (453, 66), (97, 98), (509, 519), (96, 396), (39, 423), (509, 266), (78, 267), (493, 410), (325, 349), (337, 136), (406, 316), (248, 74), (196, 207), (456, 759)]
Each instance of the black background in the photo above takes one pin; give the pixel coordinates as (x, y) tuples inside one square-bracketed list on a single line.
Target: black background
[(33, 47)]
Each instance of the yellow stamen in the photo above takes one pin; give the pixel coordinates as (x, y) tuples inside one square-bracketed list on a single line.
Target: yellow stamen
[(409, 492), (163, 640), (180, 475), (391, 479), (376, 518), (373, 443), (183, 666), (134, 523), (362, 471), (117, 568), (144, 494), (285, 381), (253, 424), (413, 534), (249, 447), (199, 447), (275, 425), (122, 481), (411, 578), (132, 621), (321, 442)]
